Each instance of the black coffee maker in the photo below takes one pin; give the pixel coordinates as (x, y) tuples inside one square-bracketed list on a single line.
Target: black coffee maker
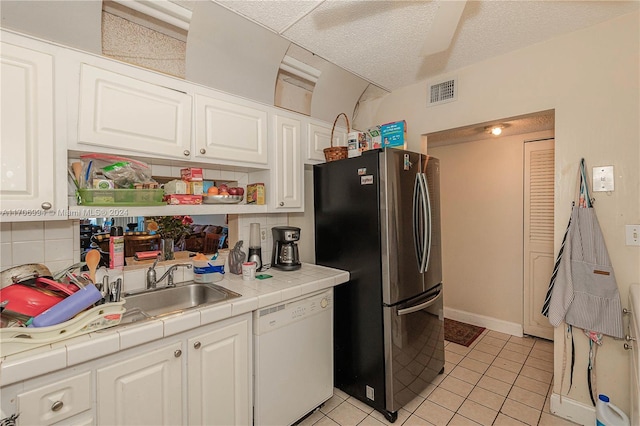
[(285, 250)]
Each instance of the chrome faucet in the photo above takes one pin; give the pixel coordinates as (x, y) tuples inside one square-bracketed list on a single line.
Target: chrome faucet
[(151, 274)]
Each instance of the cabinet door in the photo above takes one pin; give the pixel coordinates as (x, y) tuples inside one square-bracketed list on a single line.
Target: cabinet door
[(27, 173), (288, 163), (228, 131), (146, 389), (124, 113), (319, 138), (219, 376)]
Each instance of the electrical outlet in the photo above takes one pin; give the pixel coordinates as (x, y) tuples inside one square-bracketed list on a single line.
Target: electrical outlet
[(263, 235), (632, 234)]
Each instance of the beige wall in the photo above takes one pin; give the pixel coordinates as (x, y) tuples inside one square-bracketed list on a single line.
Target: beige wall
[(481, 208), (591, 79)]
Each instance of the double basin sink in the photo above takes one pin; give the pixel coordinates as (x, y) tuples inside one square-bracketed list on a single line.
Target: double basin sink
[(153, 303)]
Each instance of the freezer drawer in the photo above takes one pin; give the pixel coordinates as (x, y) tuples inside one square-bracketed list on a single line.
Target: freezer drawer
[(414, 344)]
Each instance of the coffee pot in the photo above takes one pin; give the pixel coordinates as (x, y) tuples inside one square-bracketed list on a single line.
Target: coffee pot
[(285, 250)]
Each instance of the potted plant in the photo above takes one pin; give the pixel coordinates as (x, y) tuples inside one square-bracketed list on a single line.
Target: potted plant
[(172, 230)]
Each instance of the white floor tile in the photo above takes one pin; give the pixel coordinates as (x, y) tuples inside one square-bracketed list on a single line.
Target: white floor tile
[(501, 380)]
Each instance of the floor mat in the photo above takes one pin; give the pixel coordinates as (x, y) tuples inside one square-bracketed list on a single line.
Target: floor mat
[(460, 332)]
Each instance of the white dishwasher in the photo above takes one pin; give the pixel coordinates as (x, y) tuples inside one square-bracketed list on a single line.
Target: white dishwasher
[(293, 358)]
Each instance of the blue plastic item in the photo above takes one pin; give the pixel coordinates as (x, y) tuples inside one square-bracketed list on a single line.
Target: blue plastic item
[(68, 307)]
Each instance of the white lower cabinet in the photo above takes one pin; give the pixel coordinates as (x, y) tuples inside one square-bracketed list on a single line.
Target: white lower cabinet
[(219, 391), (200, 377), (145, 389)]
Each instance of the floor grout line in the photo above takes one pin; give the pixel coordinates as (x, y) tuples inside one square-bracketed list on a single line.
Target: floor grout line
[(527, 350)]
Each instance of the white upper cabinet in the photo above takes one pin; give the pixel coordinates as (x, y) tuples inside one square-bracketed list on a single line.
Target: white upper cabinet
[(319, 138), (287, 170), (128, 114), (230, 131), (30, 185)]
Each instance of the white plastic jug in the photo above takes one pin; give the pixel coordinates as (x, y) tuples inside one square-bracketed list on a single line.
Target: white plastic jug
[(608, 414)]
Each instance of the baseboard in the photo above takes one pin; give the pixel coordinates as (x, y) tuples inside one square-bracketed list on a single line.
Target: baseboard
[(490, 323), (573, 410)]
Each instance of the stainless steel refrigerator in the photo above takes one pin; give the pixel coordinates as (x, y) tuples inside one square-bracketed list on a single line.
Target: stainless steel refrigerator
[(378, 217)]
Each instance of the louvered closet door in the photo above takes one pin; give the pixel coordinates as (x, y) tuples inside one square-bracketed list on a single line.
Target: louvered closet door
[(538, 234)]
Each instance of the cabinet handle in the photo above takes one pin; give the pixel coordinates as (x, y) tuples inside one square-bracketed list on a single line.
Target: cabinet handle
[(187, 153), (197, 345), (46, 205), (203, 151), (281, 203), (628, 338), (177, 353), (57, 406), (627, 347)]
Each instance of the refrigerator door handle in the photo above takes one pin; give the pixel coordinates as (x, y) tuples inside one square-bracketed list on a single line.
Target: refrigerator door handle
[(418, 238), (427, 220), (421, 306)]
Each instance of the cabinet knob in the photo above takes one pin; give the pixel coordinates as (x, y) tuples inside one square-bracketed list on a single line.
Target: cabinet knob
[(186, 153), (46, 205), (281, 203), (627, 347), (628, 338), (197, 345), (203, 151), (177, 353), (57, 406)]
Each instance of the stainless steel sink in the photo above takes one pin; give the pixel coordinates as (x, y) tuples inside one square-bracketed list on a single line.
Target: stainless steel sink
[(156, 302)]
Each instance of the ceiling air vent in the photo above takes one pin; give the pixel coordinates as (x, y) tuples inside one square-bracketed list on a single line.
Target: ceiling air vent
[(443, 92)]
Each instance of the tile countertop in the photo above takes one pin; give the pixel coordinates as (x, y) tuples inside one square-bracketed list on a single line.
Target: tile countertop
[(283, 285)]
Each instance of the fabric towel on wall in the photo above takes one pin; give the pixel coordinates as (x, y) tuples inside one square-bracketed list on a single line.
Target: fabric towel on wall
[(583, 291)]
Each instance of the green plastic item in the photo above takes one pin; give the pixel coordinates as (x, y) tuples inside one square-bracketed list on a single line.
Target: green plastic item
[(120, 197)]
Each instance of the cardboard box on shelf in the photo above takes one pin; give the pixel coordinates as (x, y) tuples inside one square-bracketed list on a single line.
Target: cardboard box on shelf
[(394, 134), (187, 199), (191, 174), (195, 188), (176, 187), (256, 193), (357, 143), (373, 137)]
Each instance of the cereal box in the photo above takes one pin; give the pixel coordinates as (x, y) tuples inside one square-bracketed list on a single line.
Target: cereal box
[(394, 134), (256, 193), (373, 137)]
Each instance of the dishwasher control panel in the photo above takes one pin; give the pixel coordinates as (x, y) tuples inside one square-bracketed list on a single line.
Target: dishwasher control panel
[(276, 316)]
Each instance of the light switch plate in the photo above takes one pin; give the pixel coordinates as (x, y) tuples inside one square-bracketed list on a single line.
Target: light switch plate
[(603, 178), (632, 235)]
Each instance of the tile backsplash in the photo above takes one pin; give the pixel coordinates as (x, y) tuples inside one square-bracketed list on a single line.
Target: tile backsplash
[(266, 221), (53, 243)]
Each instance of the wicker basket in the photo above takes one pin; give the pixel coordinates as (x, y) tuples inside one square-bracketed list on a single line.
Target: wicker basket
[(334, 153)]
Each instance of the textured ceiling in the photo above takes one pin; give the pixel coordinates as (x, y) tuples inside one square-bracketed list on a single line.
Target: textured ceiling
[(382, 41)]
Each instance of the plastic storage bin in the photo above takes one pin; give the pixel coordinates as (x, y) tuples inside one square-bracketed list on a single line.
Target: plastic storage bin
[(120, 197)]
